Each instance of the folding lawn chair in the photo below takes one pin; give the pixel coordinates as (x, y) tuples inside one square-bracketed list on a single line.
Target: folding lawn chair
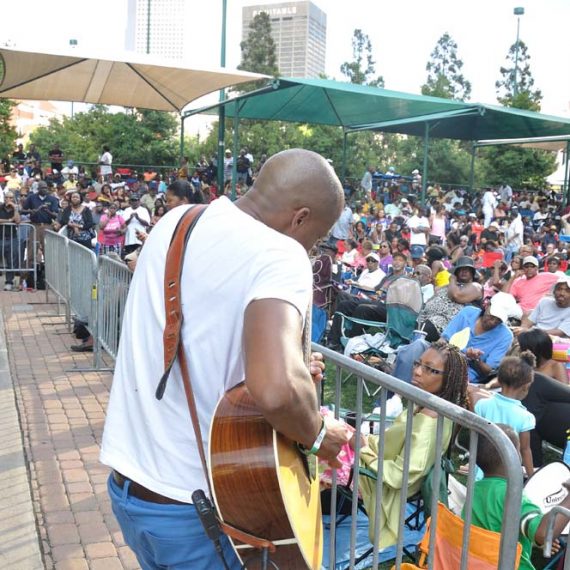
[(403, 305), (483, 545)]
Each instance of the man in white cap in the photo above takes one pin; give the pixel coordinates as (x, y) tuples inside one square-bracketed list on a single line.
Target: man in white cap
[(552, 314), (529, 289), (371, 277), (489, 336)]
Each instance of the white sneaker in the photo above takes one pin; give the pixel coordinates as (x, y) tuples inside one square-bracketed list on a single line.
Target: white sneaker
[(8, 287)]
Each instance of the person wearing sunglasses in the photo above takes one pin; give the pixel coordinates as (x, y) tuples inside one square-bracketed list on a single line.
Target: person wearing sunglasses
[(441, 370)]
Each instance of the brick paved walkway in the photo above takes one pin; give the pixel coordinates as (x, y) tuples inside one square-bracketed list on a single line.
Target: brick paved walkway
[(62, 415)]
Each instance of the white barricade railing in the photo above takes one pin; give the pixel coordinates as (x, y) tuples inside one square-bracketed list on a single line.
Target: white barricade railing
[(57, 269), (113, 281), (18, 251)]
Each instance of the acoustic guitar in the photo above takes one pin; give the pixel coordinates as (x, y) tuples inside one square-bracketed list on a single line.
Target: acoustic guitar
[(263, 485)]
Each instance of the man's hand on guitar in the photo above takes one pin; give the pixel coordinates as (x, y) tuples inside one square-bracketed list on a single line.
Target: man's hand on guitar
[(317, 367), (337, 435)]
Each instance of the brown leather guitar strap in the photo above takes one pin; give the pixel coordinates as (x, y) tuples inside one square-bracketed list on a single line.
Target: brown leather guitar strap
[(174, 348)]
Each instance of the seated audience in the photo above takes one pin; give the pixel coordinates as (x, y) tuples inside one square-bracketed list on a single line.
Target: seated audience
[(552, 314)]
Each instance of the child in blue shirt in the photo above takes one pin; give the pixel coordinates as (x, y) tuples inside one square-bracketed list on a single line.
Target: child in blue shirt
[(515, 376)]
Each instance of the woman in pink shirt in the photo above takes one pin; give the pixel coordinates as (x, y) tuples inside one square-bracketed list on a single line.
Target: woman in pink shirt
[(437, 220), (113, 228)]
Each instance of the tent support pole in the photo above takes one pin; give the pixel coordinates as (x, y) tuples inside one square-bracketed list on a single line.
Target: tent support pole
[(235, 149), (181, 137), (222, 109), (425, 167), (567, 176), (344, 156), (472, 171)]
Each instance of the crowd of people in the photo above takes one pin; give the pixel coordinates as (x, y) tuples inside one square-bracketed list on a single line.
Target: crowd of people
[(492, 264), (109, 211)]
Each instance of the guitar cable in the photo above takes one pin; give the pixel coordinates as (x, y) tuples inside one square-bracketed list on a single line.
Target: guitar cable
[(209, 521)]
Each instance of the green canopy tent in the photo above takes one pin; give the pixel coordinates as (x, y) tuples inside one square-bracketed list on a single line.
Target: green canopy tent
[(358, 107)]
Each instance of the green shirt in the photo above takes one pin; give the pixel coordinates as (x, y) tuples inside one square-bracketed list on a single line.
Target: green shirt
[(488, 502)]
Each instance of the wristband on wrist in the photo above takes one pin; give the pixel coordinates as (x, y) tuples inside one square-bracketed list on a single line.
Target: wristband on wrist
[(318, 442)]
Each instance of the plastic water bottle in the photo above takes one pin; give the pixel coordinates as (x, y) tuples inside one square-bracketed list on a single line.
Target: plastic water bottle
[(566, 456), (24, 285)]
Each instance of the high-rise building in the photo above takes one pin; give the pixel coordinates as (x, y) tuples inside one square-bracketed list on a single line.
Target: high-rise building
[(166, 34), (299, 30)]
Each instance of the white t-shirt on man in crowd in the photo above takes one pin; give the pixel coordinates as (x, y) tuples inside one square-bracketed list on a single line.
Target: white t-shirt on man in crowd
[(418, 223), (133, 225)]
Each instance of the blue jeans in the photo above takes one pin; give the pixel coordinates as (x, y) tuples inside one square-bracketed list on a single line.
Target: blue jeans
[(166, 537)]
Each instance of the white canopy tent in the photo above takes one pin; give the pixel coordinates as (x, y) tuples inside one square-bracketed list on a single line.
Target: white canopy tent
[(133, 80)]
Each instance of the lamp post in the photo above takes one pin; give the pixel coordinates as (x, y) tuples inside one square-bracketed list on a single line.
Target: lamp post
[(518, 12), (222, 109), (72, 44), (148, 26)]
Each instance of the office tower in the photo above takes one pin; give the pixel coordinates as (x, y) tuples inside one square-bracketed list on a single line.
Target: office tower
[(299, 30), (166, 35)]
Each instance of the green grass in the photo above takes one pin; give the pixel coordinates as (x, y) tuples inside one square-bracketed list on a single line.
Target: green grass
[(348, 391)]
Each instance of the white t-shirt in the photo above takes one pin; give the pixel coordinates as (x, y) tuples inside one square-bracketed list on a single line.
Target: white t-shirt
[(106, 159), (418, 222), (548, 315), (133, 225), (489, 201), (231, 260), (371, 278)]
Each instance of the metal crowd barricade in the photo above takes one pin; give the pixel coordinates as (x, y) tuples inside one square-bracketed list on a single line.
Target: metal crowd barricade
[(348, 370), (57, 270), (82, 269), (547, 549), (18, 251), (114, 278)]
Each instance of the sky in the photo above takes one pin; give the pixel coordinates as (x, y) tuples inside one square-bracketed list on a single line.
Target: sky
[(403, 34)]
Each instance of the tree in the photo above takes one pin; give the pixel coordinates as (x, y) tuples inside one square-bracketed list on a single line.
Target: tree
[(258, 49), (140, 137), (520, 167), (363, 68), (8, 133), (444, 72), (526, 97)]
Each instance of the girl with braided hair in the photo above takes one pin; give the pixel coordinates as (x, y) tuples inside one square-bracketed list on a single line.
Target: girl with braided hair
[(441, 370)]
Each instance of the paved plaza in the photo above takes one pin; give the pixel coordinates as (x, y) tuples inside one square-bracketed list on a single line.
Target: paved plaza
[(53, 499)]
